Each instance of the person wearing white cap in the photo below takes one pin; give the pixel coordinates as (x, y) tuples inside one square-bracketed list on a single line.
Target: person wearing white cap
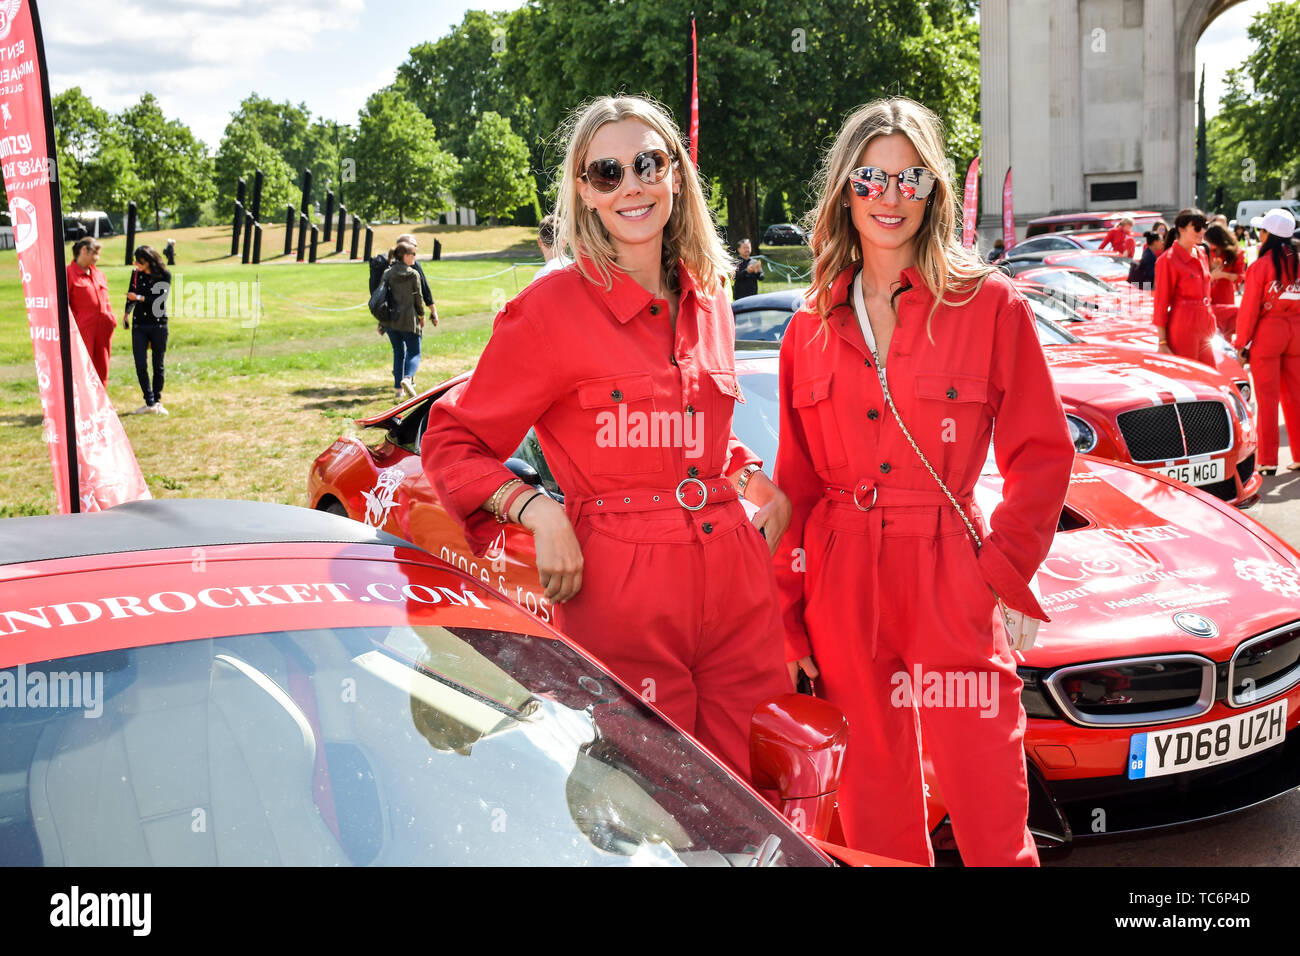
[(1268, 333)]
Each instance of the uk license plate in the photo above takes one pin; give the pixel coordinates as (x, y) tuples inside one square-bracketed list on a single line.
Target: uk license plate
[(1157, 753), (1195, 472)]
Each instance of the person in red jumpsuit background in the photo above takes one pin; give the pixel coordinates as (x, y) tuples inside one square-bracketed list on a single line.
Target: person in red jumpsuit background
[(89, 304), (1268, 333), (1121, 238), (1182, 314), (1227, 273), (623, 362), (879, 576)]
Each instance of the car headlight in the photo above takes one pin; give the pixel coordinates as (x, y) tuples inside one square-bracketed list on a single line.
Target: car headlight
[(1244, 388), (1238, 406), (1082, 434)]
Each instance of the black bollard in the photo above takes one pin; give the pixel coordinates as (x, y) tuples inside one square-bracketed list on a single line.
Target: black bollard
[(248, 237), (257, 243), (257, 196), (370, 242), (356, 236), (304, 211), (343, 218), (239, 221), (130, 233), (302, 237), (329, 213), (312, 254), (437, 250), (288, 229)]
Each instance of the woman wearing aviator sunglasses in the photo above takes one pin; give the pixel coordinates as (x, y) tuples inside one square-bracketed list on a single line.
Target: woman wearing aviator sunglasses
[(623, 363), (1183, 317), (907, 357)]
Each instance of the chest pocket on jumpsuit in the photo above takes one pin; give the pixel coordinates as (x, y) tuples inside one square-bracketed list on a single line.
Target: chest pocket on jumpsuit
[(950, 410), (811, 399), (627, 431)]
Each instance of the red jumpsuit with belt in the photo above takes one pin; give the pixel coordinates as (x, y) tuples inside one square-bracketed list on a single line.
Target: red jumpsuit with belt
[(93, 312), (680, 604), (882, 594), (1223, 292), (1182, 303), (1121, 240), (1268, 323)]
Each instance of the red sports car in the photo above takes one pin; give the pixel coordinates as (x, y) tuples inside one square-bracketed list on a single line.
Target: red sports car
[(1168, 414), (1166, 688), (1109, 267), (193, 682)]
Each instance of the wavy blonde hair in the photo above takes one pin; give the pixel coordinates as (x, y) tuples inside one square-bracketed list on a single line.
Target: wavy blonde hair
[(690, 233), (944, 264)]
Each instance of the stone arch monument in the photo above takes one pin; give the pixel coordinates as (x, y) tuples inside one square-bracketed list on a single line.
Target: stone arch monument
[(1091, 102)]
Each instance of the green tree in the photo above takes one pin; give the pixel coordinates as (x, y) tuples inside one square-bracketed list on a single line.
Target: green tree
[(400, 166), (1262, 102), (494, 178), (242, 153), (108, 179), (79, 126), (303, 143), (456, 79), (776, 76), (1202, 150), (173, 167)]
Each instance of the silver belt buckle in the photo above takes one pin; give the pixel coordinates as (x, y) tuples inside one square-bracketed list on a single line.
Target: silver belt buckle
[(704, 490), (871, 504)]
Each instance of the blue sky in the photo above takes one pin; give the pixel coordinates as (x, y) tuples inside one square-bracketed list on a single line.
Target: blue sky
[(201, 57)]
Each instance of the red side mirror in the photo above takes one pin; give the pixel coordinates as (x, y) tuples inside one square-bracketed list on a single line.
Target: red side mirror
[(796, 747)]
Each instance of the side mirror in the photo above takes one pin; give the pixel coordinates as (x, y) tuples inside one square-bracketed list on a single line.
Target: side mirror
[(796, 747), (524, 472)]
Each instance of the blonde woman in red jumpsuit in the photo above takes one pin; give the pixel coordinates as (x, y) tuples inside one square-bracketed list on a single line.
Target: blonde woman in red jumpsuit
[(1268, 333), (879, 576), (1183, 318), (623, 362)]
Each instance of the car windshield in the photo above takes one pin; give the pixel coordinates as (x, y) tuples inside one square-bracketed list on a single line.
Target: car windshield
[(761, 325), (1067, 280), (352, 746), (1103, 267)]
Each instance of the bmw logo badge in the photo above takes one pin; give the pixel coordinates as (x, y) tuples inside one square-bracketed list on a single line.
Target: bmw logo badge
[(1196, 625)]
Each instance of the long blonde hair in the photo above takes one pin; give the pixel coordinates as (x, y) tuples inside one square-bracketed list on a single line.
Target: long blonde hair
[(944, 264), (690, 233)]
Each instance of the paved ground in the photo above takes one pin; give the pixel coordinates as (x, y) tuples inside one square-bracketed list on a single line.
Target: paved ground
[(1268, 835)]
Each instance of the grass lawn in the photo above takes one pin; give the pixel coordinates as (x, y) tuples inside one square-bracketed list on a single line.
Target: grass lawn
[(256, 394)]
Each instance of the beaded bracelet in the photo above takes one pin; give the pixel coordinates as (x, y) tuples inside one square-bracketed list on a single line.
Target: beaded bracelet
[(494, 503)]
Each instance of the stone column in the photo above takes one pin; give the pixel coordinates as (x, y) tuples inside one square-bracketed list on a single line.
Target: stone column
[(1161, 182), (1066, 107), (995, 106)]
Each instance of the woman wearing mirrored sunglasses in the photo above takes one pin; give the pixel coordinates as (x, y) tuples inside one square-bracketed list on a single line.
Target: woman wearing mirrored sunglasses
[(623, 363), (882, 580), (1183, 317)]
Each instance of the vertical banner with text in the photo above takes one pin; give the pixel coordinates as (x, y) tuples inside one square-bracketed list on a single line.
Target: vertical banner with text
[(1008, 214), (94, 467), (969, 199)]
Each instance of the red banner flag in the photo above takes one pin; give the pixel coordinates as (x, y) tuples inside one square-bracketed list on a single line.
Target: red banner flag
[(94, 467), (1008, 214), (968, 203), (695, 98)]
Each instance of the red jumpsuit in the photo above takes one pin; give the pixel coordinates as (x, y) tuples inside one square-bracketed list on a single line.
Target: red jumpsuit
[(680, 604), (899, 588), (93, 312), (1223, 292), (1121, 240), (1268, 323), (1183, 303)]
